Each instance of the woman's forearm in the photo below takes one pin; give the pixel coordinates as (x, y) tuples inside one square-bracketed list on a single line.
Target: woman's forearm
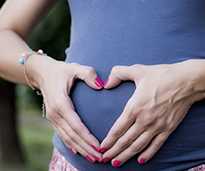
[(17, 20), (11, 47)]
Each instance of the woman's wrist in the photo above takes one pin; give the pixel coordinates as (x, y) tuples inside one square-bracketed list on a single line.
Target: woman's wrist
[(36, 66), (194, 71)]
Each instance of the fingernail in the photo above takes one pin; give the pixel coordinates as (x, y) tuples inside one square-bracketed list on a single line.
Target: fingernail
[(106, 159), (98, 159), (105, 82), (96, 148), (99, 82), (141, 161), (74, 151), (90, 158), (116, 163), (102, 150)]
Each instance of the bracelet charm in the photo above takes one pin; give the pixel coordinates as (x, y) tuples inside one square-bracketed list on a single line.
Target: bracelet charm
[(25, 56)]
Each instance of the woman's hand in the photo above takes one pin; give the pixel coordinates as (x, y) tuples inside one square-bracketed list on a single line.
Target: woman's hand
[(163, 95), (55, 79)]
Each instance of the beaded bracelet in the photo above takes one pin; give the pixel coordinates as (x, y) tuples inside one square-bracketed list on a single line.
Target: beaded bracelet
[(22, 60)]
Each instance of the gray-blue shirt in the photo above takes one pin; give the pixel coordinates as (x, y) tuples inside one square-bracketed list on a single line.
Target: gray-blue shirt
[(105, 33)]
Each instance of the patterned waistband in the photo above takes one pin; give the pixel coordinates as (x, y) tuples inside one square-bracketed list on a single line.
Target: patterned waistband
[(59, 163)]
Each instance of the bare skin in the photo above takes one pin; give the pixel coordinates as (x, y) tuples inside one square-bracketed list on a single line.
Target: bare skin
[(54, 78), (151, 114), (163, 96)]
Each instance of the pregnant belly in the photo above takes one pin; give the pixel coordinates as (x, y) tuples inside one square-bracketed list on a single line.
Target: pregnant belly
[(99, 110)]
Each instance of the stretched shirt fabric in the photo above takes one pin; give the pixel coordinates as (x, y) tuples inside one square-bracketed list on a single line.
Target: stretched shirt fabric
[(105, 33)]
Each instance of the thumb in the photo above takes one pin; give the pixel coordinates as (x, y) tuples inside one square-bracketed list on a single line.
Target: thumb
[(118, 74), (88, 74)]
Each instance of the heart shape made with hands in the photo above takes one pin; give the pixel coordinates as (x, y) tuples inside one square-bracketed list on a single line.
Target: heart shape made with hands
[(99, 109)]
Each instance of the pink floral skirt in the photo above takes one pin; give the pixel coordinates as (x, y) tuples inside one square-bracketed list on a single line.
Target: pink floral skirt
[(59, 163)]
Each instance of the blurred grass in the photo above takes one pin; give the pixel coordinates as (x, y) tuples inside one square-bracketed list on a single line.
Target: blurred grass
[(38, 148), (36, 140), (36, 137)]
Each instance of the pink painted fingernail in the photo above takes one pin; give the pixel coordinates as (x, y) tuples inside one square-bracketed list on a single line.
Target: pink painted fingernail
[(90, 158), (116, 163), (102, 150), (105, 82), (141, 161), (96, 148), (99, 82), (74, 151), (106, 159), (98, 159)]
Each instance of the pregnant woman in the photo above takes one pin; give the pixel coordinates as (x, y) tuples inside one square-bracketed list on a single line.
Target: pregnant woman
[(148, 114)]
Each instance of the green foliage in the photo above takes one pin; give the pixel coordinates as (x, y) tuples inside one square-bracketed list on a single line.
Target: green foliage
[(36, 137)]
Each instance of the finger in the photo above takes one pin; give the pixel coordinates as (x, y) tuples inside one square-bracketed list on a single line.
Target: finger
[(73, 119), (138, 145), (122, 124), (77, 139), (124, 141), (61, 133), (75, 147), (89, 75), (153, 148), (118, 74), (66, 139)]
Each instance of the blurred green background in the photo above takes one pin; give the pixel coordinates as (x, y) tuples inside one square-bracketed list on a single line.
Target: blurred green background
[(26, 138)]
